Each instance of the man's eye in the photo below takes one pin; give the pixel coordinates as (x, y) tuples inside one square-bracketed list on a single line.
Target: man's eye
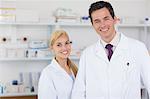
[(107, 19), (97, 21)]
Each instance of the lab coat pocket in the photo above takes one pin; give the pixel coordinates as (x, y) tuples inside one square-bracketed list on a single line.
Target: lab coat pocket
[(128, 63), (129, 66), (126, 68)]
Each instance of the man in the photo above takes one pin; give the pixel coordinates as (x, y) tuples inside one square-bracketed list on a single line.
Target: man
[(114, 67)]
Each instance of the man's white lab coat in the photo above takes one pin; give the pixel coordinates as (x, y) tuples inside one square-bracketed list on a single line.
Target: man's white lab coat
[(120, 78)]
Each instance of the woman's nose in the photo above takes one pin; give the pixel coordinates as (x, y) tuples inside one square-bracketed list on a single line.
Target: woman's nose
[(64, 47)]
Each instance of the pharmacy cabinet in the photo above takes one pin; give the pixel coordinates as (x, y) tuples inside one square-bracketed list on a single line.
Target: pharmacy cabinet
[(23, 54)]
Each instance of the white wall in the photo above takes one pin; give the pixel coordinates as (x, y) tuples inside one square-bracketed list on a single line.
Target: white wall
[(46, 8)]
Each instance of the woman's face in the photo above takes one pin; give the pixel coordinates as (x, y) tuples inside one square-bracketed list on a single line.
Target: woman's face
[(62, 47)]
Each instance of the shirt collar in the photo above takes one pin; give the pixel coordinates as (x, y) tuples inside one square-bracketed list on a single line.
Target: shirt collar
[(114, 42)]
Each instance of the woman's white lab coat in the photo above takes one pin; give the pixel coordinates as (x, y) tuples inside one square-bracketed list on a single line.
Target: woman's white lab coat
[(120, 78), (54, 83)]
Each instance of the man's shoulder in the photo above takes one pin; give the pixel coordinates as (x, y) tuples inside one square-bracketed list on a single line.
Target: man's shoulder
[(135, 42)]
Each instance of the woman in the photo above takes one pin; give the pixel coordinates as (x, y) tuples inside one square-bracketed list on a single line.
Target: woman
[(57, 78)]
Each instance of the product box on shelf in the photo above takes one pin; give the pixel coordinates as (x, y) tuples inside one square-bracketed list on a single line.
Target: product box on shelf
[(7, 14), (37, 53), (129, 20), (27, 82), (38, 44)]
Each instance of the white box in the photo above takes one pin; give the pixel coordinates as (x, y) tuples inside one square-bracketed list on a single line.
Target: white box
[(20, 53), (38, 44), (7, 3), (31, 53), (43, 53), (2, 52), (11, 53), (7, 11), (7, 18), (130, 20)]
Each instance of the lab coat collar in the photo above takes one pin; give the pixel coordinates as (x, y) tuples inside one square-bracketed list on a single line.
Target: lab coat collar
[(59, 69), (55, 64), (120, 49), (123, 44)]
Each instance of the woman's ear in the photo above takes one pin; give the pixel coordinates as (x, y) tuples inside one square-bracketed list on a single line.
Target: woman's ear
[(50, 48)]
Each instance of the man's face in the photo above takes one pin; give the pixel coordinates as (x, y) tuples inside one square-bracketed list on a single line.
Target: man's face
[(103, 23)]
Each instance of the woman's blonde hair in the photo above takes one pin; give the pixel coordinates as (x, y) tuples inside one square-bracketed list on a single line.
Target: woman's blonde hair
[(73, 66), (54, 36)]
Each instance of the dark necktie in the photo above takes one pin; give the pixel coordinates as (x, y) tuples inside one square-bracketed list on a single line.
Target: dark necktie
[(110, 51)]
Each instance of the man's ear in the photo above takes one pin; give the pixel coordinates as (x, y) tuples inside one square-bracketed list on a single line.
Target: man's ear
[(116, 20)]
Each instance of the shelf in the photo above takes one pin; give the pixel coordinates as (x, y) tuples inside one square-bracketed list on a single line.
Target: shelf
[(132, 25), (34, 59), (26, 23), (46, 23), (17, 94), (24, 59), (72, 24), (69, 24)]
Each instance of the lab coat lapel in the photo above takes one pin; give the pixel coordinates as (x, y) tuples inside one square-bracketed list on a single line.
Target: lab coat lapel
[(100, 51), (122, 47), (59, 69)]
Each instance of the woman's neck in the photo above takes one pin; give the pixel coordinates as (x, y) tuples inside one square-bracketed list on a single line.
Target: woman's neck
[(63, 64)]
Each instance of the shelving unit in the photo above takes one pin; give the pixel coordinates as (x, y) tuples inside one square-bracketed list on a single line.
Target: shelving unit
[(22, 64)]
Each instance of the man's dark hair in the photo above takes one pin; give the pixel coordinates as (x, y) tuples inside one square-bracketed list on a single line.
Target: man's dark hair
[(99, 5)]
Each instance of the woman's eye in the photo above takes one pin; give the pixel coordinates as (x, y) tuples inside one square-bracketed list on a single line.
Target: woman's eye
[(69, 42), (59, 45)]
